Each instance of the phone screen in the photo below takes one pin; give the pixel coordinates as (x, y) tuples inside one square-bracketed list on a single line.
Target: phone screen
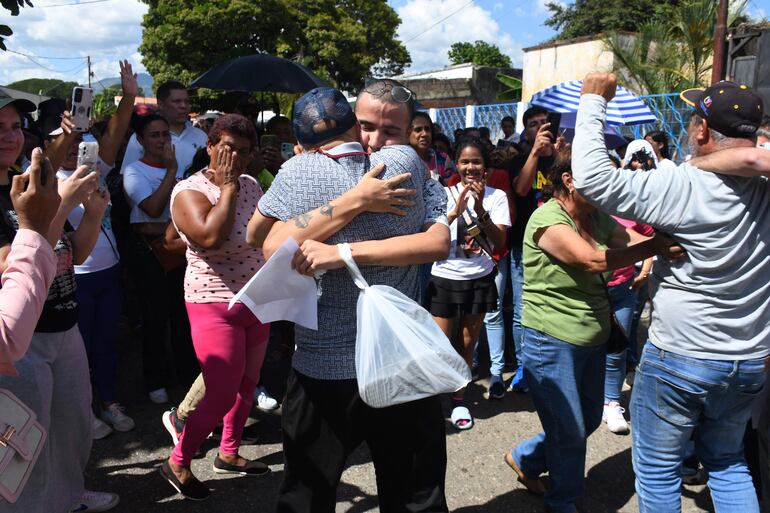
[(268, 141), (554, 118)]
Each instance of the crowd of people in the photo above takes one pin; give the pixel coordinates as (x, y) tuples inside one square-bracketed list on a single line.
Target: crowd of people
[(545, 250)]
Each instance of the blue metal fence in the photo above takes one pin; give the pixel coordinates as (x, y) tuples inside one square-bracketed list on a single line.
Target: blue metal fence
[(490, 116), (673, 117), (672, 113), (450, 119)]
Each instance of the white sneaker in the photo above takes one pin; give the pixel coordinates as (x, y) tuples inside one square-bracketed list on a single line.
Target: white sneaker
[(94, 502), (264, 401), (613, 416), (159, 396), (99, 429), (120, 421)]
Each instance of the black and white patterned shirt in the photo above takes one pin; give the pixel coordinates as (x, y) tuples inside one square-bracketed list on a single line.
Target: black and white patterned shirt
[(311, 180)]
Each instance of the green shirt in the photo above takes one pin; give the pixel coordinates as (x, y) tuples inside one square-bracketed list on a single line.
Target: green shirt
[(563, 301)]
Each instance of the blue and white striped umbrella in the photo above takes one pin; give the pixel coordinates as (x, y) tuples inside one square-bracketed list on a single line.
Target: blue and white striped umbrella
[(625, 109)]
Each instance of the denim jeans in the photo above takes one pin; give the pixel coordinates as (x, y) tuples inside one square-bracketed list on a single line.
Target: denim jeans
[(493, 322), (566, 383), (674, 395), (622, 300), (517, 287)]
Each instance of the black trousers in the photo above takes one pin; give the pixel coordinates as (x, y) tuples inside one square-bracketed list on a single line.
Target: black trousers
[(164, 316), (324, 421)]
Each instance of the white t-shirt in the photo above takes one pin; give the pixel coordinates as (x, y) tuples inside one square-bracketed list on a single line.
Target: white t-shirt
[(185, 144), (459, 266), (105, 253), (140, 180)]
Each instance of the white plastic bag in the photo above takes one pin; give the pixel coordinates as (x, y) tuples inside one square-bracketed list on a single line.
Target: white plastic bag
[(401, 353)]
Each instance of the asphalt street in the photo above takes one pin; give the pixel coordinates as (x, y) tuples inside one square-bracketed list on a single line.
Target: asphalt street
[(478, 480)]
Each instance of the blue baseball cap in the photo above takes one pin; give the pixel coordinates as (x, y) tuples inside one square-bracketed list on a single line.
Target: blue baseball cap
[(317, 105)]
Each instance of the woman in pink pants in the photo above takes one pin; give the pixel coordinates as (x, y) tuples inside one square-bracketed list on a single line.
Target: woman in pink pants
[(211, 210)]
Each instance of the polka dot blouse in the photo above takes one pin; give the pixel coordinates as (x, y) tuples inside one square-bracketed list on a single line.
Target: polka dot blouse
[(215, 275)]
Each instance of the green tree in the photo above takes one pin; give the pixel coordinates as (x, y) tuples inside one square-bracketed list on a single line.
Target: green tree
[(671, 52), (591, 17), (342, 41), (13, 6), (52, 87), (480, 53)]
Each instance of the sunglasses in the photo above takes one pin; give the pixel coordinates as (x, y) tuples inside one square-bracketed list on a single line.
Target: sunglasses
[(377, 89)]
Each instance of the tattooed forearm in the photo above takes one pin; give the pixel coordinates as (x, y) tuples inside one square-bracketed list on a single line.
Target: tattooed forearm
[(327, 209), (302, 220)]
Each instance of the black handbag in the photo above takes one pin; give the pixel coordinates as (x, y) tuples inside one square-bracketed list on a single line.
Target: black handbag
[(618, 341)]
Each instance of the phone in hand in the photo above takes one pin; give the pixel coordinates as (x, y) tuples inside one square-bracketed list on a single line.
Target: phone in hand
[(287, 150), (88, 154), (268, 141), (82, 102), (554, 118)]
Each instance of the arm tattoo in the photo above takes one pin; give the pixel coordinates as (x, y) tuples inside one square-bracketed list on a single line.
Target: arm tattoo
[(327, 209), (302, 220)]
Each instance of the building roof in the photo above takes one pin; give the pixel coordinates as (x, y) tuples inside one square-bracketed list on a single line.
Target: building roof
[(575, 40)]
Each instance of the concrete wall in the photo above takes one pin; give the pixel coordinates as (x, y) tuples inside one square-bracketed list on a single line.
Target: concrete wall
[(550, 64), (481, 89)]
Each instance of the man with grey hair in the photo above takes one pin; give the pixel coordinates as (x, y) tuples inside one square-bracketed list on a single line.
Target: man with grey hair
[(710, 333)]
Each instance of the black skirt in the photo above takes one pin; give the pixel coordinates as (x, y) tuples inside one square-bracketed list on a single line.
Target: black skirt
[(453, 298)]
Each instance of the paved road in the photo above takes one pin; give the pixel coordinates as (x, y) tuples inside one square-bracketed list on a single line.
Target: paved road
[(478, 481)]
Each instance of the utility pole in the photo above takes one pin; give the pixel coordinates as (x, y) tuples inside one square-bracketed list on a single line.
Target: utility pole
[(720, 42), (88, 60)]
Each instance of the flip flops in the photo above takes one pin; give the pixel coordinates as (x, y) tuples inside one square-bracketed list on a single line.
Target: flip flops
[(461, 418)]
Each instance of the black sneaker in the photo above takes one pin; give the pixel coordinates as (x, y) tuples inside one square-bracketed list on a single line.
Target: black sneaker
[(173, 424), (192, 489), (497, 390), (251, 468)]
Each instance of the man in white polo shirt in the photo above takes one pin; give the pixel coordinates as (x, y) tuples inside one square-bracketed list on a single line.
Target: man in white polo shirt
[(174, 106)]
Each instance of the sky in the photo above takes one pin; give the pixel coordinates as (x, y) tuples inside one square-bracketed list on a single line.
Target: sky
[(57, 35)]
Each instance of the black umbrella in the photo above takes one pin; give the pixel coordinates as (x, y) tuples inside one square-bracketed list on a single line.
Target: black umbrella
[(260, 72)]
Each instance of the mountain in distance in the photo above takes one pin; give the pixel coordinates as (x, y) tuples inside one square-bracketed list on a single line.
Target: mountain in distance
[(144, 80)]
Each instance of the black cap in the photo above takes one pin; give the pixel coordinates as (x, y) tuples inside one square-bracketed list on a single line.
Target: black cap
[(21, 104), (730, 109)]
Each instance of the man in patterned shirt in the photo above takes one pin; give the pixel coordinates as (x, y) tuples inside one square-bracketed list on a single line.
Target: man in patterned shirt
[(317, 196)]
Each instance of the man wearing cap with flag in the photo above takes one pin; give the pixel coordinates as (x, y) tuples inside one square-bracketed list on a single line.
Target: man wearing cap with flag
[(710, 334)]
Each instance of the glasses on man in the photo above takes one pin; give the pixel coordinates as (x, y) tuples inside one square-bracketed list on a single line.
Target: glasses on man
[(379, 89)]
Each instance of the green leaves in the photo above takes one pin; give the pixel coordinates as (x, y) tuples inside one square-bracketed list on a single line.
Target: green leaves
[(672, 51), (342, 41), (480, 53), (513, 93)]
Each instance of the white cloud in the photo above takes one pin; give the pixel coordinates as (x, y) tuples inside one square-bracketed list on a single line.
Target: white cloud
[(429, 47), (106, 31)]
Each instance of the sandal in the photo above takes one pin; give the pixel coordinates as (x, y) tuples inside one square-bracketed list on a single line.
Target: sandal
[(461, 418), (534, 485)]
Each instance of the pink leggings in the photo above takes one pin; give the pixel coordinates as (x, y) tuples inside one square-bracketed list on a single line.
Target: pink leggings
[(231, 347)]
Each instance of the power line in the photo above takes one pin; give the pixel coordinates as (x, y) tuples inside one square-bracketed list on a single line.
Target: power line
[(439, 22), (72, 4), (44, 57)]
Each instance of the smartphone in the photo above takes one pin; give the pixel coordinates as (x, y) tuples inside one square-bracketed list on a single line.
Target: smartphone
[(287, 150), (554, 118), (268, 141), (88, 154), (82, 102)]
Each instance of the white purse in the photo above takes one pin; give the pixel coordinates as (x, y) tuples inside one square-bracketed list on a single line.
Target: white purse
[(21, 440)]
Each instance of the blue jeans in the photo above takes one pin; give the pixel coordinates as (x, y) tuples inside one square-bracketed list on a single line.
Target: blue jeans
[(673, 395), (642, 295), (566, 382), (517, 287), (493, 322), (100, 296), (622, 301)]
